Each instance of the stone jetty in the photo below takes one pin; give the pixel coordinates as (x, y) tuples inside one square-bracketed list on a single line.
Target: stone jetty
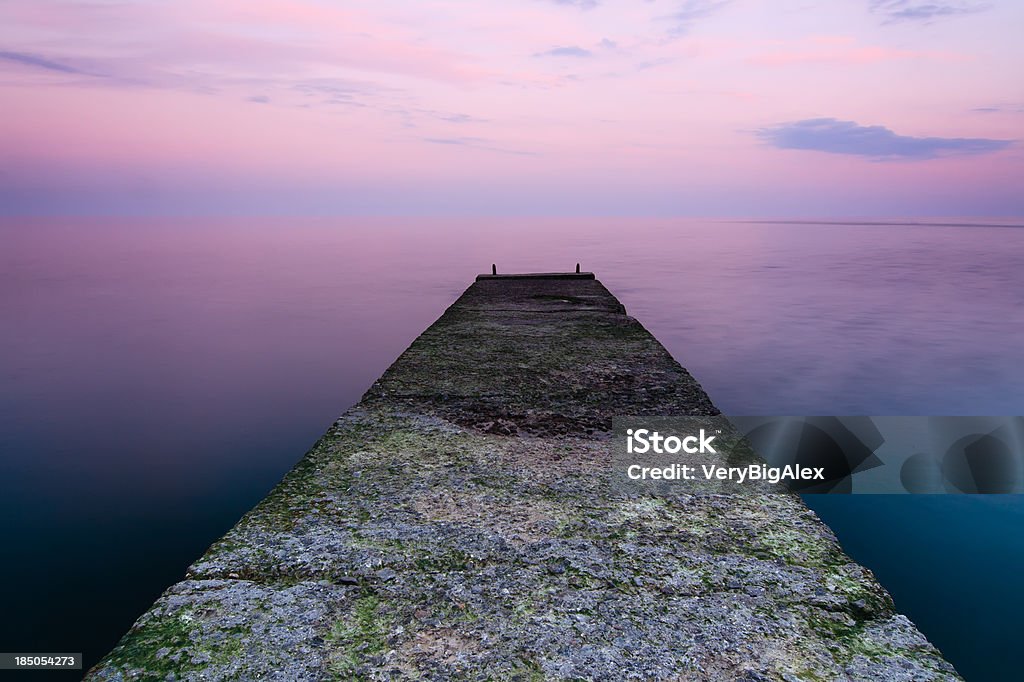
[(458, 524)]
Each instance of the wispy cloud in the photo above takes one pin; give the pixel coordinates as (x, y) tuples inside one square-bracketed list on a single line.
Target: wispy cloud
[(456, 117), (1004, 108), (566, 51), (581, 4), (690, 12), (340, 88), (196, 40), (466, 141), (476, 143), (877, 142), (40, 63), (915, 10), (654, 63)]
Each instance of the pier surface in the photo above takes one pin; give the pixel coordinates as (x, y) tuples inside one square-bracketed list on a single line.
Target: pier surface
[(458, 524)]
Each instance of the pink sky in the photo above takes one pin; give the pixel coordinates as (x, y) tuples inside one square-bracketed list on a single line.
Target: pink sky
[(626, 107)]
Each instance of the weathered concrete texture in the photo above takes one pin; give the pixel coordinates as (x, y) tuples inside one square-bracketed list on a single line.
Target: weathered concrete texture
[(537, 356), (458, 524)]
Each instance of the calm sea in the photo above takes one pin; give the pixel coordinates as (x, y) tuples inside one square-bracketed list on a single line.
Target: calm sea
[(160, 376)]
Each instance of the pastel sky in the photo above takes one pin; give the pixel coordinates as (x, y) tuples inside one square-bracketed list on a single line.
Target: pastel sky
[(513, 107)]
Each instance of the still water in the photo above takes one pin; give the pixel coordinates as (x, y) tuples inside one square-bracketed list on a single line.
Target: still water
[(158, 377)]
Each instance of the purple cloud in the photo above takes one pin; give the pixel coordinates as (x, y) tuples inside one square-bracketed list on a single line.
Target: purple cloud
[(692, 11), (567, 51), (914, 10), (581, 4), (39, 62), (877, 142)]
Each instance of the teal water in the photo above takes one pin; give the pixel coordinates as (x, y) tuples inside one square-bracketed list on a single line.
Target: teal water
[(160, 376), (952, 564)]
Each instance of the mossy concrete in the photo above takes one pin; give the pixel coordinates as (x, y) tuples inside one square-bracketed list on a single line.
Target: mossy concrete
[(458, 523)]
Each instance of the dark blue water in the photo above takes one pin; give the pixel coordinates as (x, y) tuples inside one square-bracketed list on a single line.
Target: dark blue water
[(160, 376)]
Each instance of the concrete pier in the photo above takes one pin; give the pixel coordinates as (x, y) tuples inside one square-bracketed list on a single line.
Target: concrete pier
[(457, 523)]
